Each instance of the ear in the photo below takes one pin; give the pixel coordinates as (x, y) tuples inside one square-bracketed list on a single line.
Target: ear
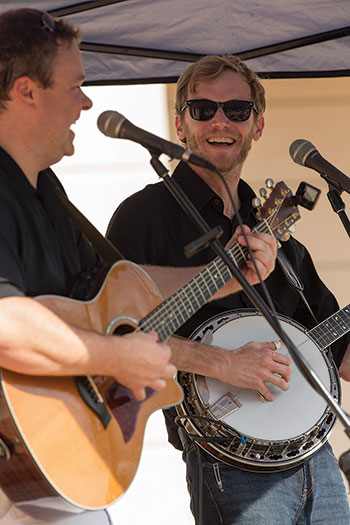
[(180, 128), (24, 91), (259, 128)]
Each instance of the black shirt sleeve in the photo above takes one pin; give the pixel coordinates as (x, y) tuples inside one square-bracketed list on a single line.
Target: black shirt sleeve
[(131, 230)]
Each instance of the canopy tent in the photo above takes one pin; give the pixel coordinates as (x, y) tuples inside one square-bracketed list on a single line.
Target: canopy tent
[(148, 41)]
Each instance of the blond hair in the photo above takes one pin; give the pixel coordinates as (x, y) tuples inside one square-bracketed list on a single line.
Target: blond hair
[(208, 69)]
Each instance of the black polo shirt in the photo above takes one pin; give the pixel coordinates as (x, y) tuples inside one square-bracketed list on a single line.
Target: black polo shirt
[(40, 248)]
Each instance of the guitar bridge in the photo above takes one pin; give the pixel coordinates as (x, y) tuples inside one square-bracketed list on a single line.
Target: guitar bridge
[(92, 397)]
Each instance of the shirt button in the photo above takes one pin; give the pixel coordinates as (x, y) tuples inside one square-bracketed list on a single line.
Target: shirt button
[(217, 202)]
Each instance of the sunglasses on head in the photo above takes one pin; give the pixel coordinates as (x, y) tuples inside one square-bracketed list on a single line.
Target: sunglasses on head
[(235, 110), (47, 22)]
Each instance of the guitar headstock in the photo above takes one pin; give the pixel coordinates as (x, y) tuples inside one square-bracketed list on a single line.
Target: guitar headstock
[(278, 209)]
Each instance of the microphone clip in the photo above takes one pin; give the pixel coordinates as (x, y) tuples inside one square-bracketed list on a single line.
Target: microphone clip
[(203, 241)]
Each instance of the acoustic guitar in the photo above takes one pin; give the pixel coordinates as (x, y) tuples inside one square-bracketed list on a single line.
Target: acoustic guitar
[(74, 443)]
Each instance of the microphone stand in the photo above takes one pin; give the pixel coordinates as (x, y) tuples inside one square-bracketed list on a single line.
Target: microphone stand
[(211, 238), (337, 203)]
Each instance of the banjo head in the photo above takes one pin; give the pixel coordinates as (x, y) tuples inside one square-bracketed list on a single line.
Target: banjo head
[(259, 435)]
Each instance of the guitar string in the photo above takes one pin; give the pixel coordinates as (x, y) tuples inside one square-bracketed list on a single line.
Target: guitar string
[(147, 323), (186, 307), (165, 305), (207, 277), (239, 258)]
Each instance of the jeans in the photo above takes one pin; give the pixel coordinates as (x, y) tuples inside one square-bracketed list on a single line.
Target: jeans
[(311, 493)]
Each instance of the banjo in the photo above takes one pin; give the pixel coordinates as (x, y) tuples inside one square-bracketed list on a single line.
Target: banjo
[(234, 425)]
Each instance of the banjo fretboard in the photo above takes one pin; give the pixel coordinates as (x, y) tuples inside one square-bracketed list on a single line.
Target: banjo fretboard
[(332, 328)]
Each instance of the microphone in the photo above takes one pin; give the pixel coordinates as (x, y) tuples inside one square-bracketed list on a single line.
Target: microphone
[(114, 125), (305, 154)]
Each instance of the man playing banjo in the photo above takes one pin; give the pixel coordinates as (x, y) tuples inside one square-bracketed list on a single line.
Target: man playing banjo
[(220, 104)]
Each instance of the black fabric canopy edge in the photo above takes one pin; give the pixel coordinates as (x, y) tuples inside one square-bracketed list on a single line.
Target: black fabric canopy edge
[(265, 75)]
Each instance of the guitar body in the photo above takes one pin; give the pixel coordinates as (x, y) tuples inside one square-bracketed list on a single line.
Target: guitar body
[(56, 452)]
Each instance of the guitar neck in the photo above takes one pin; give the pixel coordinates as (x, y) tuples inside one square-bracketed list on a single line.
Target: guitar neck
[(332, 328), (180, 306)]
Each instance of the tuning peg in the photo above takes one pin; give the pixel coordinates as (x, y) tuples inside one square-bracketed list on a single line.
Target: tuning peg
[(256, 203), (285, 236), (269, 183), (263, 193), (292, 228)]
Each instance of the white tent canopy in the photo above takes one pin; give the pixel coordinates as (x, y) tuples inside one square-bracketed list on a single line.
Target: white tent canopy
[(145, 41)]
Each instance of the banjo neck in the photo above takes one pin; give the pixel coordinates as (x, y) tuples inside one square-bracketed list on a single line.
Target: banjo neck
[(332, 328)]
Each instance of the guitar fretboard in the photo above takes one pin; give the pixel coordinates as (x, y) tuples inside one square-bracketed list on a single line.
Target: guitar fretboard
[(180, 306), (332, 328)]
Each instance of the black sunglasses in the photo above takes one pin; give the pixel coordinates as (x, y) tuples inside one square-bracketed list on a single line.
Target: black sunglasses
[(235, 110)]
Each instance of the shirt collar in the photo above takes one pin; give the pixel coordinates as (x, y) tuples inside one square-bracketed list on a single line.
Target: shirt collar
[(200, 193), (195, 188), (246, 196), (16, 177)]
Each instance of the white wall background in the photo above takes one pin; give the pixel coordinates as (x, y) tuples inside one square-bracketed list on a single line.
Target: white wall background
[(101, 174), (104, 171)]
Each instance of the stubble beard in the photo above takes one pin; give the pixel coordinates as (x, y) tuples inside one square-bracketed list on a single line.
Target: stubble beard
[(224, 164)]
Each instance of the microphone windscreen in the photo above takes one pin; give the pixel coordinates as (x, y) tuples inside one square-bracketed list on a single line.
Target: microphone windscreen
[(300, 149), (109, 123)]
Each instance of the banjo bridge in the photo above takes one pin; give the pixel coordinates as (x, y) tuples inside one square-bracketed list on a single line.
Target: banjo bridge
[(226, 405)]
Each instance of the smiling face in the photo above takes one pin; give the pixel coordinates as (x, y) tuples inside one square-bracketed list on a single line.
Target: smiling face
[(61, 104), (220, 141)]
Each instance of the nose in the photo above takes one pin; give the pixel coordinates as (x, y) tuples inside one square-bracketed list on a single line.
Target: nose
[(86, 101), (220, 117)]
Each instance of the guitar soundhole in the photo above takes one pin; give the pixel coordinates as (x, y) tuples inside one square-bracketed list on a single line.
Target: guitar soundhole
[(123, 329)]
